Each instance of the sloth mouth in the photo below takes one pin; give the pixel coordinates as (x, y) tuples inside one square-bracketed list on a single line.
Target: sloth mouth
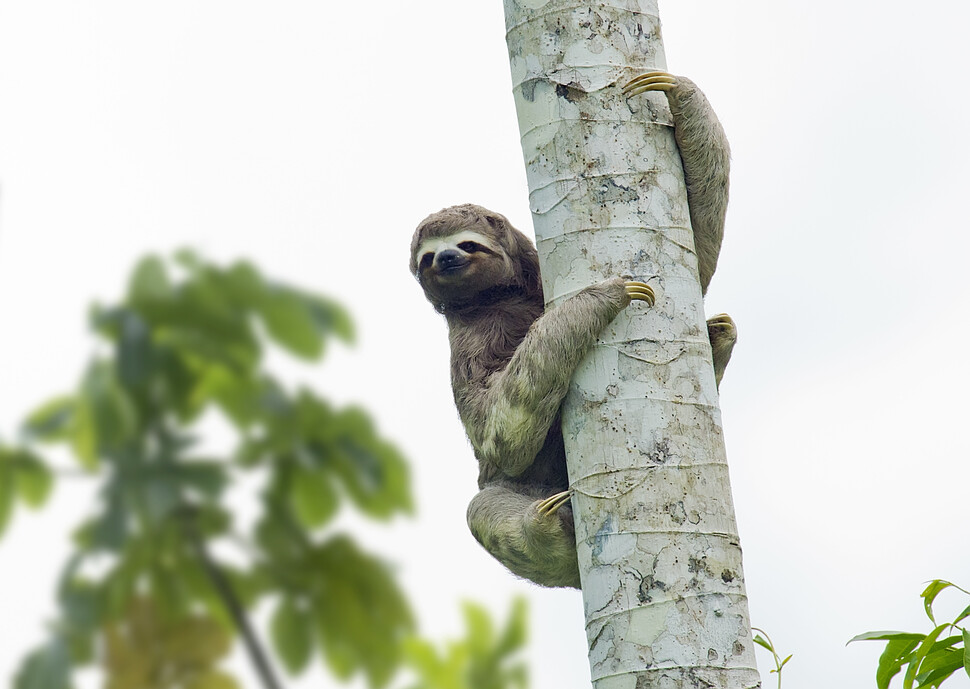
[(453, 268)]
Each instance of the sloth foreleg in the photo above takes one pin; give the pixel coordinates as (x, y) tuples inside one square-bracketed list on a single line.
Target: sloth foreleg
[(509, 422), (706, 156)]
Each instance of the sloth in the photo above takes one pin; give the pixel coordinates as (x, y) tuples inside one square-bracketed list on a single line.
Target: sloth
[(512, 361)]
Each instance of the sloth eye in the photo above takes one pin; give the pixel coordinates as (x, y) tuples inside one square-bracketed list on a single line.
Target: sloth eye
[(469, 247), (426, 260)]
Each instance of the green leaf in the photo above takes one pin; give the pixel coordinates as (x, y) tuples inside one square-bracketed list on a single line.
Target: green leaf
[(109, 531), (468, 663), (7, 484), (361, 614), (205, 478), (34, 480), (930, 593), (921, 652), (51, 422), (47, 668), (291, 629), (888, 636), (966, 651), (962, 616), (761, 641), (897, 653), (82, 604), (106, 417), (245, 285), (373, 472), (85, 441), (515, 634), (135, 352), (330, 317), (290, 322), (149, 283), (313, 498), (937, 666), (481, 633)]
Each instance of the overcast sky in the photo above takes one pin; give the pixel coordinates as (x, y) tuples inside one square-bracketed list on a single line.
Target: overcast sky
[(312, 137)]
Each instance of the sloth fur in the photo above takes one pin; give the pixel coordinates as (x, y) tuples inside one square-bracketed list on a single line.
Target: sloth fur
[(512, 362)]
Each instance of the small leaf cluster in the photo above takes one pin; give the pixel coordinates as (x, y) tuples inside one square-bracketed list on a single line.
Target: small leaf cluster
[(485, 659), (766, 642), (188, 337), (24, 478), (929, 659)]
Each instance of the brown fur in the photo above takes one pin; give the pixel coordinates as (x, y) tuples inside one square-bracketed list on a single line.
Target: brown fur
[(510, 369)]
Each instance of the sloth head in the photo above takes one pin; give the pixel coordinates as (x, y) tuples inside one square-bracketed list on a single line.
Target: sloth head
[(466, 255)]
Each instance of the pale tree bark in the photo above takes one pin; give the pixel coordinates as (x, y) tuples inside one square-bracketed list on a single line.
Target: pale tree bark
[(658, 547)]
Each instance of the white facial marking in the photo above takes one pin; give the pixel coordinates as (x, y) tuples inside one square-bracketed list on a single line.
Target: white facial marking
[(435, 244)]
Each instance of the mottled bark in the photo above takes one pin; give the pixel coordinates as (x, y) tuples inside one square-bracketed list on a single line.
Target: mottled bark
[(658, 547)]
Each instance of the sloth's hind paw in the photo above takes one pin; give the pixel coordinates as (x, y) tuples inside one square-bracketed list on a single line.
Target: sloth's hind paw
[(549, 506)]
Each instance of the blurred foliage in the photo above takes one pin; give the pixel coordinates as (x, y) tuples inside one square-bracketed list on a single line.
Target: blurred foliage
[(162, 609), (23, 478), (484, 659), (146, 649), (929, 659)]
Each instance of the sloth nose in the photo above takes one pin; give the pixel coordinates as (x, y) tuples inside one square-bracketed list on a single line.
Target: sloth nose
[(449, 258)]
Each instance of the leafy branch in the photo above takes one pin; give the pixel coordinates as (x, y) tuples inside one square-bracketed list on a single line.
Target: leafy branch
[(929, 659), (189, 337)]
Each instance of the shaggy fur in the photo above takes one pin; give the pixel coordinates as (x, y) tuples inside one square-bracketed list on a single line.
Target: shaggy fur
[(706, 156), (511, 362)]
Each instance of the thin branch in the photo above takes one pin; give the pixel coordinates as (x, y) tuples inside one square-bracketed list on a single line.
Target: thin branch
[(223, 587)]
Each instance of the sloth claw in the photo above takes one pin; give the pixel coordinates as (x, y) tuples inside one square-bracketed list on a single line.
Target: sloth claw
[(640, 291), (651, 81), (551, 505), (721, 321)]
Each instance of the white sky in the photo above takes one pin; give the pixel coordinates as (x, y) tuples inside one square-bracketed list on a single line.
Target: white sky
[(312, 137)]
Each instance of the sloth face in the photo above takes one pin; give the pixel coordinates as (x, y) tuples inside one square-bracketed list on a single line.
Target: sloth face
[(460, 252), (453, 269)]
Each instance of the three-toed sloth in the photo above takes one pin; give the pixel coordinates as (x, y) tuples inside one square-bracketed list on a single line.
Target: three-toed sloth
[(512, 361)]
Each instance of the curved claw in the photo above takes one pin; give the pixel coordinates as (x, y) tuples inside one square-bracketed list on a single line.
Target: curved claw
[(551, 505), (651, 81), (640, 291), (721, 321)]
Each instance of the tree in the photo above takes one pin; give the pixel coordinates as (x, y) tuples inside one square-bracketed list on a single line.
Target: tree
[(147, 586), (658, 547)]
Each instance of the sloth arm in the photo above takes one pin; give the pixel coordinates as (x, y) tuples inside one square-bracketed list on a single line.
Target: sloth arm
[(508, 422), (706, 157)]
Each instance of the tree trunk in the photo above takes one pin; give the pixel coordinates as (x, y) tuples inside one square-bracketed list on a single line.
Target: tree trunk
[(658, 545)]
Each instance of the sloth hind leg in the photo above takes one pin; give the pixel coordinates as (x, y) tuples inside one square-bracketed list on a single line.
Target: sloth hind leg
[(723, 334), (533, 538)]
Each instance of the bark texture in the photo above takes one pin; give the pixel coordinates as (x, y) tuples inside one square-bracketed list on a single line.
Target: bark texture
[(658, 547)]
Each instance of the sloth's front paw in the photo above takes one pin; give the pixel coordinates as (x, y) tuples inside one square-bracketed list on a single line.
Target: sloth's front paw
[(651, 81), (640, 291)]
